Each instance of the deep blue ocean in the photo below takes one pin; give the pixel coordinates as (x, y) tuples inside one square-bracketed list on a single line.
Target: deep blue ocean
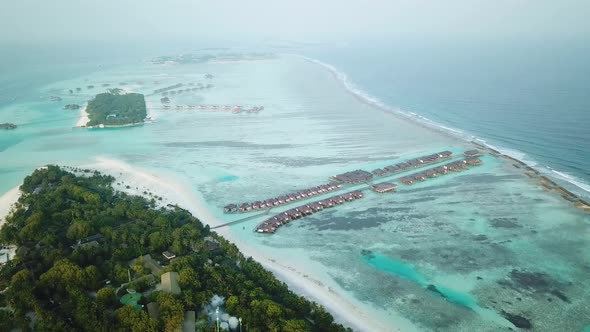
[(531, 101)]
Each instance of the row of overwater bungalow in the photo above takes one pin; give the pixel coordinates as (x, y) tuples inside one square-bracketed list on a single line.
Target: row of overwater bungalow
[(455, 166), (196, 88), (215, 108), (282, 199), (272, 224), (361, 176)]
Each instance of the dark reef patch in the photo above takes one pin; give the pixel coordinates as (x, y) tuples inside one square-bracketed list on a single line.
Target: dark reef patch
[(357, 220), (480, 237), (518, 320), (505, 223), (536, 282), (530, 280)]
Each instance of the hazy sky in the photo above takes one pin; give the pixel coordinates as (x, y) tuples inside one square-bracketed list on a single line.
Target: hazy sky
[(299, 20)]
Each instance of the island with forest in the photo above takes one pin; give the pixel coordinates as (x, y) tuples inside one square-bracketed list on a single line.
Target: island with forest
[(90, 258), (7, 126), (116, 108)]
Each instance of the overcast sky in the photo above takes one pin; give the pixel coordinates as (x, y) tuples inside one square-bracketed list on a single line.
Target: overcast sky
[(296, 20)]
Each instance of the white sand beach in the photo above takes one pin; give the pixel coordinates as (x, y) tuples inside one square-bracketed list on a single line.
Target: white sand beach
[(83, 120), (173, 192), (7, 201)]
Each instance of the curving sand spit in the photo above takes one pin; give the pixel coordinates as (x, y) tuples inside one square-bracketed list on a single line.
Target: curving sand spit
[(174, 192), (83, 120)]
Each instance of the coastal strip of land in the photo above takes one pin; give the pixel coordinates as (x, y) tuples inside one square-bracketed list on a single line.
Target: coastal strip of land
[(137, 181)]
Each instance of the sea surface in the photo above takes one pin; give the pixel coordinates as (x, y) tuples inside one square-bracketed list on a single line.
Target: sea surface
[(455, 253), (529, 100)]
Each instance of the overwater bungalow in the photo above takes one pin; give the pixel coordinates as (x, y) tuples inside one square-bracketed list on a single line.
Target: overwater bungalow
[(445, 154), (243, 207), (358, 194), (403, 165), (406, 180), (230, 208), (379, 172), (472, 153), (419, 177), (430, 173), (473, 161), (391, 168), (441, 170)]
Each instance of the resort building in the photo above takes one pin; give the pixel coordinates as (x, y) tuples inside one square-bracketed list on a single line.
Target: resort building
[(168, 255), (169, 283), (357, 176), (89, 242), (384, 187)]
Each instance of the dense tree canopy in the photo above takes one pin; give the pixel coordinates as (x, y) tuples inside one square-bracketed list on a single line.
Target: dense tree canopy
[(57, 283), (116, 108)]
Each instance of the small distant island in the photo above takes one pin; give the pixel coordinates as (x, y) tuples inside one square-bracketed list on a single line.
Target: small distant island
[(115, 108), (72, 107), (7, 126)]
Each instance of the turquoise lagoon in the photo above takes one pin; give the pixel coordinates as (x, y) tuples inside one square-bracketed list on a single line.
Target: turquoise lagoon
[(489, 239)]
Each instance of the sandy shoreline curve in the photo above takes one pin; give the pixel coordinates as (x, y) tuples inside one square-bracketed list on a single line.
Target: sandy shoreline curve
[(7, 201), (136, 181), (83, 120)]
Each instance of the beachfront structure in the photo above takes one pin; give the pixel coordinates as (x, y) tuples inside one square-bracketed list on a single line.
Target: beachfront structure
[(169, 283), (91, 241), (168, 255), (357, 176), (384, 187), (472, 153)]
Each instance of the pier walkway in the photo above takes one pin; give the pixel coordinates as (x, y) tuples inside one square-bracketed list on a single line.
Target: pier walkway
[(266, 212)]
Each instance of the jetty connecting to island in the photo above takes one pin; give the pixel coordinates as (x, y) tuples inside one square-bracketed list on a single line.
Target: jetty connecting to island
[(354, 183)]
